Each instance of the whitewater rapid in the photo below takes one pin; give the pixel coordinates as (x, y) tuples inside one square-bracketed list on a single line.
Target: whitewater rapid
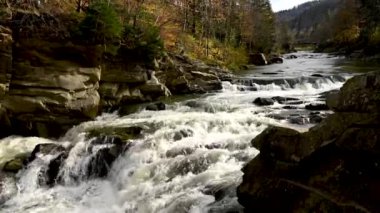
[(161, 172)]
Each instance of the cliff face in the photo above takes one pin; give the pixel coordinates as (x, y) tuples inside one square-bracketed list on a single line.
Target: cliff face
[(50, 82), (332, 168)]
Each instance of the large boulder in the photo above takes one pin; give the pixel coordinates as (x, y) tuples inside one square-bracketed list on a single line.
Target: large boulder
[(258, 59), (331, 168), (263, 101), (357, 95)]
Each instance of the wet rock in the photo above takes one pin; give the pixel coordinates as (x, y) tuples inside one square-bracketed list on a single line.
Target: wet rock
[(194, 104), (334, 167), (317, 107), (257, 59), (100, 164), (293, 102), (324, 95), (279, 143), (214, 146), (317, 75), (45, 149), (269, 73), (156, 107), (15, 165), (49, 176), (277, 116), (263, 101), (289, 107), (284, 100), (123, 132), (316, 119), (300, 120), (184, 133), (276, 60), (291, 57)]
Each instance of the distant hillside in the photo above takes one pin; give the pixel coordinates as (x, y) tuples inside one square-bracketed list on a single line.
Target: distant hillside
[(307, 21)]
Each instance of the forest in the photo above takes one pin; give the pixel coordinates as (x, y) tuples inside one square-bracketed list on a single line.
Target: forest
[(218, 32), (336, 25)]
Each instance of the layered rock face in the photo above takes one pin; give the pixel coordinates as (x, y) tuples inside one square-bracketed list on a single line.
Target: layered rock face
[(128, 83), (183, 76), (335, 167), (43, 96), (5, 71)]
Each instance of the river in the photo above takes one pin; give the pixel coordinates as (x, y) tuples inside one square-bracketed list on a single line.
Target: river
[(190, 156)]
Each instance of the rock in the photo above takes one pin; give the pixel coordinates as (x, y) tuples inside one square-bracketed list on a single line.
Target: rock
[(284, 100), (270, 73), (263, 101), (276, 60), (316, 107), (277, 116), (317, 75), (300, 120), (123, 132), (279, 143), (183, 134), (316, 119), (324, 95), (357, 95), (334, 167), (289, 107), (204, 76), (257, 59), (14, 165), (49, 176), (101, 162), (124, 73), (187, 76), (5, 123), (42, 98), (45, 149), (291, 57), (156, 107)]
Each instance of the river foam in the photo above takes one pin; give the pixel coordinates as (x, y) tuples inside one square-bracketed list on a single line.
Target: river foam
[(188, 160)]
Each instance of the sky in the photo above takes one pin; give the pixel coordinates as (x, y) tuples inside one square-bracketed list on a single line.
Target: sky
[(278, 5)]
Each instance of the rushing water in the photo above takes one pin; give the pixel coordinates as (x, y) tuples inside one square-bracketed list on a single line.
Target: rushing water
[(164, 173)]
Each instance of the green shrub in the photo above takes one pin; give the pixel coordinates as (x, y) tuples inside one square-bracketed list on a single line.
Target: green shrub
[(141, 42), (101, 24)]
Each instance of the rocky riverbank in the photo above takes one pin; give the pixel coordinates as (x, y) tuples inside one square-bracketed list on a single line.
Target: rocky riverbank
[(49, 83), (332, 167)]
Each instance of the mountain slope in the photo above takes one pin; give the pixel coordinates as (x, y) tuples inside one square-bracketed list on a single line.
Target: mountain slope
[(308, 21)]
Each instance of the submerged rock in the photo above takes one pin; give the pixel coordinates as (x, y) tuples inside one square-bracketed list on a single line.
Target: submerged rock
[(332, 167), (184, 133), (14, 165), (285, 100), (263, 101), (156, 107), (123, 132), (276, 60), (316, 107)]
